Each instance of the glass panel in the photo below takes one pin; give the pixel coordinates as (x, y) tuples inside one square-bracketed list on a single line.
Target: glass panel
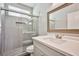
[(30, 26), (35, 25)]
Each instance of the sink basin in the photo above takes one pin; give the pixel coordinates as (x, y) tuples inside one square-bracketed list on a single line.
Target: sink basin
[(55, 40), (58, 41)]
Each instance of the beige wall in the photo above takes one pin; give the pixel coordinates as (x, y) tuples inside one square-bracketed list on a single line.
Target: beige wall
[(41, 10)]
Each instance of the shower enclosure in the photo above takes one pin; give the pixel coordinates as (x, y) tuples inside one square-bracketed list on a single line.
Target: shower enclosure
[(15, 19)]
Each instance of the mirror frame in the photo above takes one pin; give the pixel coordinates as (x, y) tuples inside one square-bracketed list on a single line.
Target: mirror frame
[(76, 31)]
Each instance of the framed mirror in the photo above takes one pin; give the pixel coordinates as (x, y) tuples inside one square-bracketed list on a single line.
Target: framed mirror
[(64, 18)]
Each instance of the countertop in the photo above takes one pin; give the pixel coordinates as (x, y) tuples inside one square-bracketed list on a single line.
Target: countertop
[(70, 47)]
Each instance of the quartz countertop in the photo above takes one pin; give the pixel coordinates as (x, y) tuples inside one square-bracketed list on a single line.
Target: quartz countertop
[(70, 47)]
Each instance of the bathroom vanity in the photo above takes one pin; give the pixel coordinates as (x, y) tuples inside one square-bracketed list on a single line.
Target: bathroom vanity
[(49, 46), (60, 21)]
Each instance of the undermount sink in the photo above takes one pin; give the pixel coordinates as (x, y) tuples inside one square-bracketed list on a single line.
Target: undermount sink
[(55, 40), (58, 41)]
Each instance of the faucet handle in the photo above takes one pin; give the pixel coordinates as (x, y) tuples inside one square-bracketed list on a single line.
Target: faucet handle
[(59, 36)]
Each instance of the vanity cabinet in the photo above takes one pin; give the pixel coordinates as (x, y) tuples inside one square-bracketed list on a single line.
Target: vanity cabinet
[(38, 52), (43, 50)]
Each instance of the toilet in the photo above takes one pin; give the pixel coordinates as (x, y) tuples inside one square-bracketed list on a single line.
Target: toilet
[(30, 49), (28, 42)]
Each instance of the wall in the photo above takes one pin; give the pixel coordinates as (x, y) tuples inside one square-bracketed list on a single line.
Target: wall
[(1, 30), (41, 10)]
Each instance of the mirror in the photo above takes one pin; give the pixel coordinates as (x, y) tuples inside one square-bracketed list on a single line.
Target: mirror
[(56, 20), (60, 18)]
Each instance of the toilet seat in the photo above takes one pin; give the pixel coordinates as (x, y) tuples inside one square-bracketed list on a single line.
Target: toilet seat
[(29, 49)]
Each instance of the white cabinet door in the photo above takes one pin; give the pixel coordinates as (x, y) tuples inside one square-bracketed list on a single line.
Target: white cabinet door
[(46, 50), (38, 52)]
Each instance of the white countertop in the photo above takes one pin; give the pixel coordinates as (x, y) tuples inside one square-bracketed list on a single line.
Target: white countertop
[(70, 47)]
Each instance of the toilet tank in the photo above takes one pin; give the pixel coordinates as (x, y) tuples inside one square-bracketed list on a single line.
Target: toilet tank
[(27, 36)]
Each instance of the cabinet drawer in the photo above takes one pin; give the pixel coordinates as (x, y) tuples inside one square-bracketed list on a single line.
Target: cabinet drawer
[(48, 51)]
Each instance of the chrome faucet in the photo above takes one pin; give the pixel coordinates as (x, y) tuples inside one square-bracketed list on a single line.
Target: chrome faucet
[(59, 36)]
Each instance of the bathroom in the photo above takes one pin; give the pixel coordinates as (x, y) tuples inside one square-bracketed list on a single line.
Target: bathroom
[(39, 29)]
